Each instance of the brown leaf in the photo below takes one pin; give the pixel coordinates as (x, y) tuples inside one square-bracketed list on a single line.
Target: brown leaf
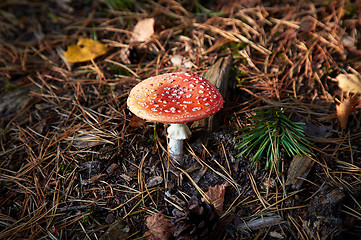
[(136, 122), (349, 83), (343, 111), (348, 42), (112, 168), (124, 55), (116, 231), (154, 181), (298, 169), (215, 195), (160, 227), (308, 24), (143, 30)]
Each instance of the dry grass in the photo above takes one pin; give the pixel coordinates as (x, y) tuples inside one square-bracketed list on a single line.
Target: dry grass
[(73, 160)]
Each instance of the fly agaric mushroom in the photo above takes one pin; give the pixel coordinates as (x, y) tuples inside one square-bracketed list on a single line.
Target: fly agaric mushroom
[(175, 98)]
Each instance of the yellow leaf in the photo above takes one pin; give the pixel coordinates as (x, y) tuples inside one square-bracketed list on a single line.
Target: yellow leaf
[(349, 83), (85, 50)]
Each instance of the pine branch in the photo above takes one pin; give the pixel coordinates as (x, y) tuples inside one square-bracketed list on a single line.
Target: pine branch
[(271, 132)]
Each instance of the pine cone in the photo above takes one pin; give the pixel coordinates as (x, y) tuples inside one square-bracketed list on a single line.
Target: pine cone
[(199, 220)]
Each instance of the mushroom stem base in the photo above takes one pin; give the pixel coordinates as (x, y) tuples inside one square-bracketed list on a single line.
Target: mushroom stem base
[(175, 147), (177, 132)]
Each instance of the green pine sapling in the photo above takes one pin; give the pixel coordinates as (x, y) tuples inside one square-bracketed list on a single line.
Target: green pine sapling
[(271, 132)]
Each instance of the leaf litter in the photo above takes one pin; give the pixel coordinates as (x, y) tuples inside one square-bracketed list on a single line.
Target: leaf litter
[(85, 50), (76, 164)]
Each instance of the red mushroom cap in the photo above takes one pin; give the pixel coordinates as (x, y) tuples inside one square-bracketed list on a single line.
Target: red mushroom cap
[(174, 98)]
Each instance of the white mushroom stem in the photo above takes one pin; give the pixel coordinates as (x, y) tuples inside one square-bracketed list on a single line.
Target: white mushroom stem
[(176, 134)]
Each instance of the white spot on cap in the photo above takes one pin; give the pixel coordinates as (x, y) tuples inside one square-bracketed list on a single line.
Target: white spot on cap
[(142, 104), (196, 109)]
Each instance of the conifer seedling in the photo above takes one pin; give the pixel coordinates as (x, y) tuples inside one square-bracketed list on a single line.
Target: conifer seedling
[(271, 132)]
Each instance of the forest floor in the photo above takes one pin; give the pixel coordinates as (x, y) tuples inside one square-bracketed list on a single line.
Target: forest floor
[(75, 163)]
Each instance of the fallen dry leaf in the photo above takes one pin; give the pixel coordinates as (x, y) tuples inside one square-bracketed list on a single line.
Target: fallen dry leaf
[(348, 41), (160, 228), (343, 111), (143, 30), (116, 231), (136, 122), (216, 196), (308, 24), (349, 83), (180, 62), (154, 181), (298, 169), (85, 50), (112, 168)]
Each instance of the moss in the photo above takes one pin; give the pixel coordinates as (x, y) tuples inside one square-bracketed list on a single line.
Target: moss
[(121, 4), (350, 9), (327, 3), (11, 87), (234, 47), (118, 70), (66, 168)]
